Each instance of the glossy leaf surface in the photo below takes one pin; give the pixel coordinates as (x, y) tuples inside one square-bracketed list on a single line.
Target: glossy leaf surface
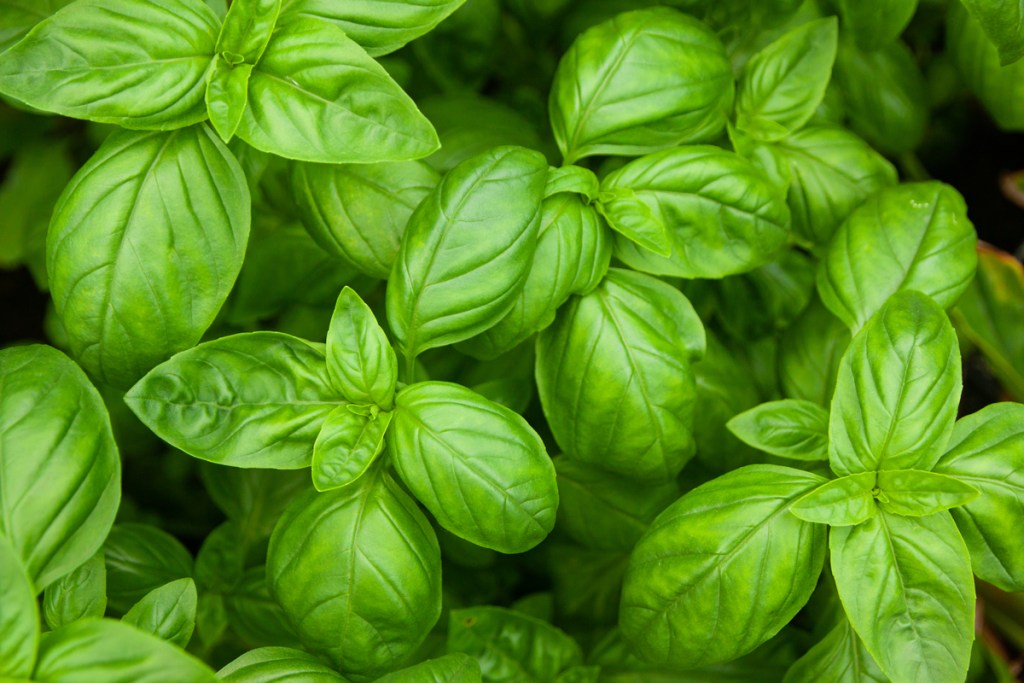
[(360, 361), (168, 612), (347, 445), (788, 428)]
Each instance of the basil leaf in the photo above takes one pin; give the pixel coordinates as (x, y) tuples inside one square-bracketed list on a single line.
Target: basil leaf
[(246, 30), (625, 404), (141, 64), (634, 220), (640, 82), (278, 664), (572, 179), (300, 103), (930, 249), (79, 594), (19, 16), (379, 28), (451, 668), (914, 493), (248, 400), (723, 215), (810, 351), (991, 315), (1002, 22), (846, 501), (479, 468), (606, 512), (986, 452), (832, 171), (125, 305), (874, 23), (60, 472), (254, 615), (347, 445), (840, 656), (168, 612), (359, 211), (897, 391), (979, 63), (730, 537), (360, 360), (358, 573), (509, 645), (109, 651), (789, 429), (221, 559), (782, 85), (467, 250), (227, 95), (139, 559), (19, 615), (572, 256), (914, 607)]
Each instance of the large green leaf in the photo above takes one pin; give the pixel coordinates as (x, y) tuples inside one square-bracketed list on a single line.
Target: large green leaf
[(1003, 23), (168, 612), (139, 559), (317, 96), (78, 594), (278, 664), (113, 652), (358, 573), (987, 452), (999, 87), (360, 360), (144, 246), (640, 82), (467, 250), (359, 211), (784, 83), (379, 26), (910, 236), (906, 585), (248, 400), (839, 657), (60, 472), (897, 391), (721, 549), (19, 616), (137, 64), (479, 468), (615, 379), (722, 213)]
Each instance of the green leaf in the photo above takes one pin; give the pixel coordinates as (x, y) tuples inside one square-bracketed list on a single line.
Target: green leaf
[(718, 550), (254, 615), (141, 64), (360, 360), (839, 657), (248, 400), (303, 103), (846, 501), (113, 652), (722, 213), (451, 668), (379, 27), (573, 253), (832, 171), (999, 87), (254, 498), (634, 220), (1003, 23), (221, 559), (897, 391), (914, 493), (640, 82), (358, 574), (347, 445), (359, 211), (141, 558), (991, 315), (604, 511), (19, 615), (246, 30), (168, 612), (789, 428), (60, 472), (126, 304), (278, 664), (987, 452), (510, 646), (906, 585), (17, 17), (575, 179), (875, 23), (910, 236), (625, 401), (467, 250), (478, 467), (79, 594), (782, 85), (227, 95), (809, 354)]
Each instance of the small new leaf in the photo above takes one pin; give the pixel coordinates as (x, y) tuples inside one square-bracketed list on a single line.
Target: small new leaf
[(347, 445), (846, 501), (360, 361), (790, 428), (914, 493)]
